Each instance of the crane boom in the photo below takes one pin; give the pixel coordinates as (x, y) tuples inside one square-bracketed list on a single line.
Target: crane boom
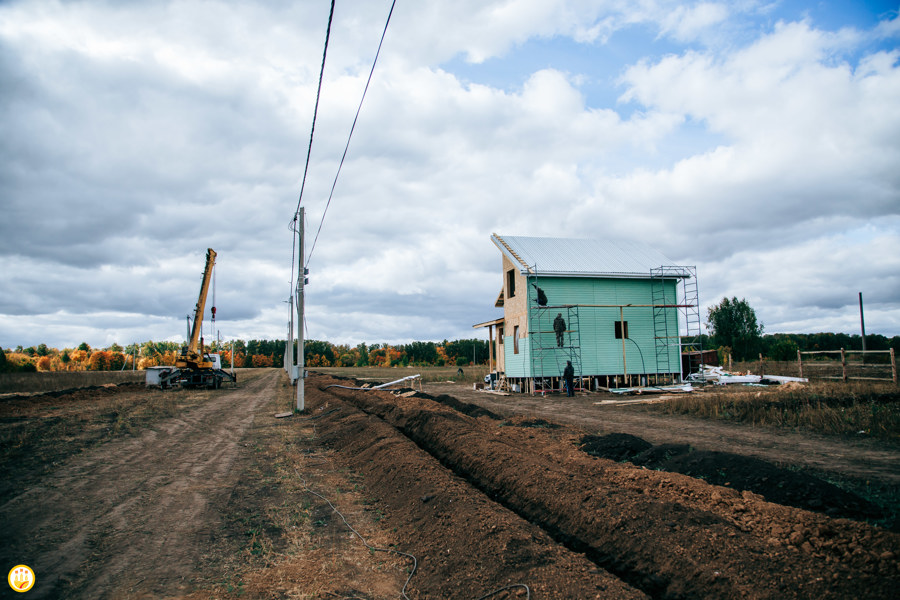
[(193, 357)]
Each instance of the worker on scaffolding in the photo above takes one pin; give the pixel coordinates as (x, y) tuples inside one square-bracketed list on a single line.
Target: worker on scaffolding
[(569, 376), (559, 326)]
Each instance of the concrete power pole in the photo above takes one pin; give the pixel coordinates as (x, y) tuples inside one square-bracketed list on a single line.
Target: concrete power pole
[(301, 282), (862, 322)]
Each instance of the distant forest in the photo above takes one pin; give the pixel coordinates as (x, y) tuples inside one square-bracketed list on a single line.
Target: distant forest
[(255, 353), (269, 353)]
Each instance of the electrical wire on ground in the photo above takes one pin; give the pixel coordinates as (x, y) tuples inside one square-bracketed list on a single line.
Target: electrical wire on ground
[(361, 538), (352, 127)]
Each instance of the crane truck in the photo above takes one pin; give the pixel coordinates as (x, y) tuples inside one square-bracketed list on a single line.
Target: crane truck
[(193, 367)]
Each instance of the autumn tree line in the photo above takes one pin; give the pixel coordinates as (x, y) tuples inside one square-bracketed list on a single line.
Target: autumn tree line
[(255, 353), (732, 328)]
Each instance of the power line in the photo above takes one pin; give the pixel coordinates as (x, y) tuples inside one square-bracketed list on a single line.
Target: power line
[(309, 148), (347, 146)]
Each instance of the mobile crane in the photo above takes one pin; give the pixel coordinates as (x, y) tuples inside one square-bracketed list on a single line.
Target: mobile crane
[(193, 367)]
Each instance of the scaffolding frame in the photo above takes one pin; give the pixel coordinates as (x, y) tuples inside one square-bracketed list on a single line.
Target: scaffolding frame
[(687, 299), (544, 355)]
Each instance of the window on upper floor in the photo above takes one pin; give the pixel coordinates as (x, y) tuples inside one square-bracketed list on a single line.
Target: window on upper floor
[(510, 283)]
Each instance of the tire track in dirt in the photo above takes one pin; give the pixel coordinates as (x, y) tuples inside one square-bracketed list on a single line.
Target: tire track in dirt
[(131, 518)]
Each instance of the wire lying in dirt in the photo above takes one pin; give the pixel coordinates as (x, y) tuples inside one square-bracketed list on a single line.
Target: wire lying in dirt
[(306, 488), (372, 548)]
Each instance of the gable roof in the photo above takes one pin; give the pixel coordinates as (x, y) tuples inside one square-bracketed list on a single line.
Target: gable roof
[(580, 257)]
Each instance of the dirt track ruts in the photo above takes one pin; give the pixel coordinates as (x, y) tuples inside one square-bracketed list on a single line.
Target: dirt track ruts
[(128, 518)]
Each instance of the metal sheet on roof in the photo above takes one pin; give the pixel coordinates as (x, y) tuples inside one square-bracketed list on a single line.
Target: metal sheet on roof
[(582, 257)]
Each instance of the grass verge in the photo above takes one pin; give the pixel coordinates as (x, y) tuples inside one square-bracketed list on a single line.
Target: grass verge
[(843, 409)]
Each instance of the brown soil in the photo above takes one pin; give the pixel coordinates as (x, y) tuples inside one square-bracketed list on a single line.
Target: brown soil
[(223, 500)]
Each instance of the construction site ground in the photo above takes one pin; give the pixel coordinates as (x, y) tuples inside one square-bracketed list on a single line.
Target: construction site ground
[(440, 493)]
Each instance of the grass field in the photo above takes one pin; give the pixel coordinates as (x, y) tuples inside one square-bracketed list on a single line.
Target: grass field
[(831, 408), (429, 374)]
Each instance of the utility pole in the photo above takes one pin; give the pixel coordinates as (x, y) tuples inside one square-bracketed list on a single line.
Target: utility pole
[(862, 324), (301, 282)]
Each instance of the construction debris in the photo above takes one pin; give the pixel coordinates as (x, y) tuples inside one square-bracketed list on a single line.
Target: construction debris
[(720, 376), (666, 389)]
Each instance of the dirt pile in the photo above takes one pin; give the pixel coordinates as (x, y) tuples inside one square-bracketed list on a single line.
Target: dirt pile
[(775, 484), (669, 535), (465, 544)]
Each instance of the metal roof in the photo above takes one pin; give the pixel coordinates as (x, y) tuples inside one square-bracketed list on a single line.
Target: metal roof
[(580, 257)]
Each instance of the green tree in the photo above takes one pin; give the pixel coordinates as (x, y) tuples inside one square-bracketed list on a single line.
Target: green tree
[(733, 323), (363, 359), (784, 349)]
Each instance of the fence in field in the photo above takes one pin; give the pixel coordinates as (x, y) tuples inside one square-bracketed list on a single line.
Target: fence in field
[(846, 369)]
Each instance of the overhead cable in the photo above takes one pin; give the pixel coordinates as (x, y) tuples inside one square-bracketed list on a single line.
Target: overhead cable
[(347, 146), (309, 148)]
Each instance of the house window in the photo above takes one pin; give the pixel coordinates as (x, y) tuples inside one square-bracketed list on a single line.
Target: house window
[(515, 339), (620, 327), (510, 283), (500, 334)]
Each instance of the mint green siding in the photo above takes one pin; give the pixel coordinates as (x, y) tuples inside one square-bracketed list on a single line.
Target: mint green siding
[(592, 329)]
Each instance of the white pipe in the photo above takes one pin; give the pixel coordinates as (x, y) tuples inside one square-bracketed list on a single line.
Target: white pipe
[(377, 387)]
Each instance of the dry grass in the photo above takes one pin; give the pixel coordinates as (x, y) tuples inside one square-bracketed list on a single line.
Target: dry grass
[(292, 544), (831, 408), (429, 374)]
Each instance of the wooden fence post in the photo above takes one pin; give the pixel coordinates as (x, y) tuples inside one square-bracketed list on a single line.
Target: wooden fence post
[(760, 364), (800, 363), (843, 365), (893, 367)]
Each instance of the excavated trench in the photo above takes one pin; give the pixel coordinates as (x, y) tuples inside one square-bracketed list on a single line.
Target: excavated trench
[(633, 531)]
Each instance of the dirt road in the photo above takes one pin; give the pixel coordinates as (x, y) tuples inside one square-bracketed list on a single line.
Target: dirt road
[(225, 501), (132, 517)]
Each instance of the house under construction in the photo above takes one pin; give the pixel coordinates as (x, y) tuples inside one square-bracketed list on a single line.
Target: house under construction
[(619, 311)]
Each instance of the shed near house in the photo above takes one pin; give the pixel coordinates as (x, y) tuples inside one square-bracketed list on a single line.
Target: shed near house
[(621, 312)]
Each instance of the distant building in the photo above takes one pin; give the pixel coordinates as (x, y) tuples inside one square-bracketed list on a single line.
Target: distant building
[(624, 305)]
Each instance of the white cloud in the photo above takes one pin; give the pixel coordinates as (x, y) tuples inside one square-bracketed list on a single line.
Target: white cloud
[(136, 136)]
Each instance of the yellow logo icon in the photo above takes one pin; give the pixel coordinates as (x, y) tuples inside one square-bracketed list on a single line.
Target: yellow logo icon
[(21, 578)]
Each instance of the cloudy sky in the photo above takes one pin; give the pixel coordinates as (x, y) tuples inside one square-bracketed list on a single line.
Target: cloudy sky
[(756, 139)]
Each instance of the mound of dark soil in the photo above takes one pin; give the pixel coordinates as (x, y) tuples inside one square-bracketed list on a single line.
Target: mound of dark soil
[(615, 446), (775, 484), (464, 407), (667, 534)]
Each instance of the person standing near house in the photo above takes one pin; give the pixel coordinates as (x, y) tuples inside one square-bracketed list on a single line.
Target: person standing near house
[(569, 376), (559, 326)]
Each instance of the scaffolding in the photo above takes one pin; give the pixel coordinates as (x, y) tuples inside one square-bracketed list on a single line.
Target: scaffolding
[(684, 296), (549, 351)]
